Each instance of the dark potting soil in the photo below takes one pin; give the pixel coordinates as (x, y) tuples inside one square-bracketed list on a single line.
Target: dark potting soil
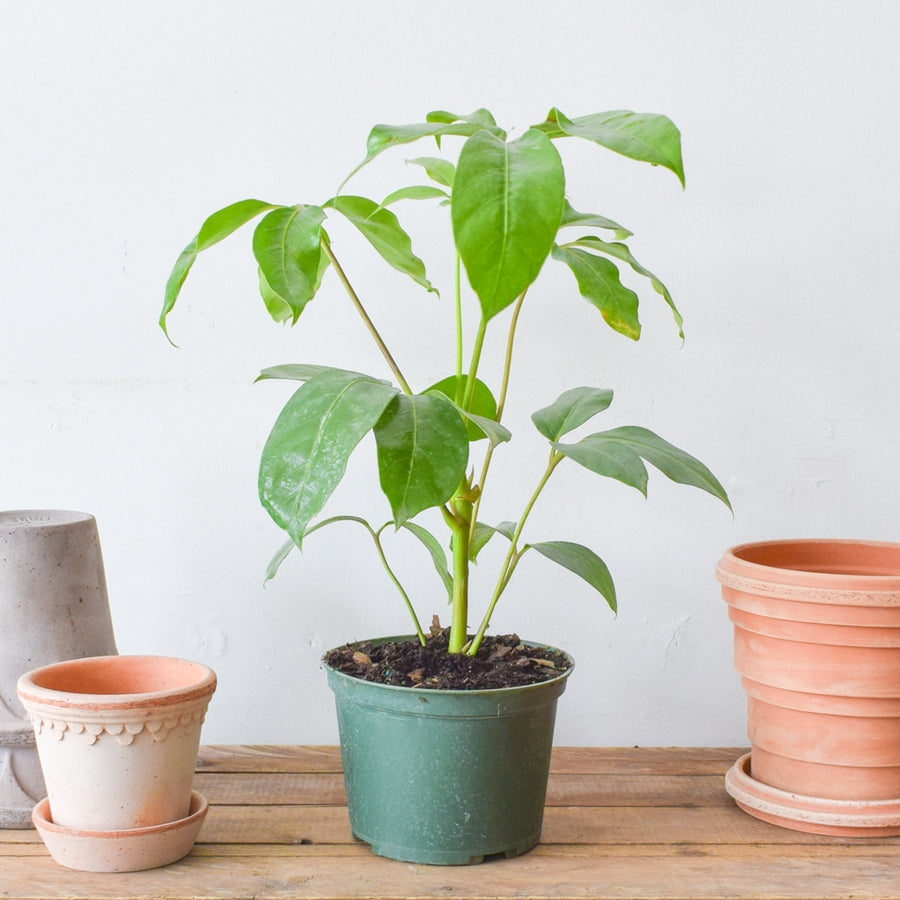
[(501, 661)]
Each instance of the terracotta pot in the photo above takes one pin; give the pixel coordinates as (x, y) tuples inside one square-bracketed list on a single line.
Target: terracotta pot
[(817, 644), (118, 738), (53, 606)]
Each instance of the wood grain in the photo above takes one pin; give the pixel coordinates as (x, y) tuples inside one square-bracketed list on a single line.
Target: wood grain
[(632, 822)]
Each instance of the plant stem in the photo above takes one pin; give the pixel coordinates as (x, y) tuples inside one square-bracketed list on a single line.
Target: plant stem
[(457, 521), (473, 365), (376, 536), (365, 316), (458, 398), (512, 557), (459, 546)]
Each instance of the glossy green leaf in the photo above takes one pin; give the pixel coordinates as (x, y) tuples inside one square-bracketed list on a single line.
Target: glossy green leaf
[(292, 372), (218, 226), (413, 192), (438, 556), (673, 462), (483, 403), (423, 449), (440, 170), (440, 124), (480, 426), (287, 245), (506, 209), (646, 137), (382, 230), (584, 563), (623, 252), (606, 455), (284, 551), (571, 409), (279, 309), (307, 450), (613, 452), (599, 283), (572, 217), (483, 533), (481, 116)]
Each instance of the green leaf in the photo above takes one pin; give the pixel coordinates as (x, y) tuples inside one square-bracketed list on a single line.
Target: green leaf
[(481, 426), (307, 450), (279, 309), (483, 405), (646, 137), (608, 451), (438, 557), (423, 449), (382, 230), (623, 252), (284, 551), (440, 170), (483, 533), (610, 457), (506, 208), (481, 116), (443, 124), (293, 372), (287, 245), (673, 462), (584, 563), (218, 226), (599, 283), (572, 217), (571, 409), (413, 192)]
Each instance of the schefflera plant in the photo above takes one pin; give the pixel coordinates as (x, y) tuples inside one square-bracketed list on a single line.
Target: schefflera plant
[(509, 215)]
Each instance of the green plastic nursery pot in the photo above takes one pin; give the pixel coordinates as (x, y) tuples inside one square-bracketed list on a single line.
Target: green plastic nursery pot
[(445, 777)]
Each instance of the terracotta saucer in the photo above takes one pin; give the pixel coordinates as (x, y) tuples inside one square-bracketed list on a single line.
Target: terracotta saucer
[(866, 818), (121, 851)]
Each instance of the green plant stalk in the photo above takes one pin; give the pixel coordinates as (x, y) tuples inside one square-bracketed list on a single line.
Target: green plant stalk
[(456, 517), (376, 535), (365, 317), (513, 556), (458, 398), (473, 365)]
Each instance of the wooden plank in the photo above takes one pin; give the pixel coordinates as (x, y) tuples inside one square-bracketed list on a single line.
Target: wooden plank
[(562, 825), (272, 788), (327, 789), (678, 878), (834, 854), (268, 758), (644, 760), (565, 760)]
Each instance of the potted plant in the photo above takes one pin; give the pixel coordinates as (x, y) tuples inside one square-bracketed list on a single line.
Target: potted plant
[(503, 202), (817, 644)]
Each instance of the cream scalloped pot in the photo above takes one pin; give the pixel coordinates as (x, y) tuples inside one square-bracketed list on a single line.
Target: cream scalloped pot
[(118, 737)]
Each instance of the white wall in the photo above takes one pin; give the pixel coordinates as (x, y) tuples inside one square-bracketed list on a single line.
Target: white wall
[(125, 124)]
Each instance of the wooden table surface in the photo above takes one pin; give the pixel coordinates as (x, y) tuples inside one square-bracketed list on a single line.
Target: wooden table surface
[(649, 823)]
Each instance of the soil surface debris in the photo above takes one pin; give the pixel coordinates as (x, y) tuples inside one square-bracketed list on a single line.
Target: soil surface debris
[(501, 661)]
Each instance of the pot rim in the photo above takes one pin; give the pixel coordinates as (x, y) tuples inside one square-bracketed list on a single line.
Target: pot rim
[(191, 681), (443, 692), (17, 519), (853, 565)]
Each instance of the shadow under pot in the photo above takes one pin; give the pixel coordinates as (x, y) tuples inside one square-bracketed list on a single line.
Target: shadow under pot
[(118, 738)]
